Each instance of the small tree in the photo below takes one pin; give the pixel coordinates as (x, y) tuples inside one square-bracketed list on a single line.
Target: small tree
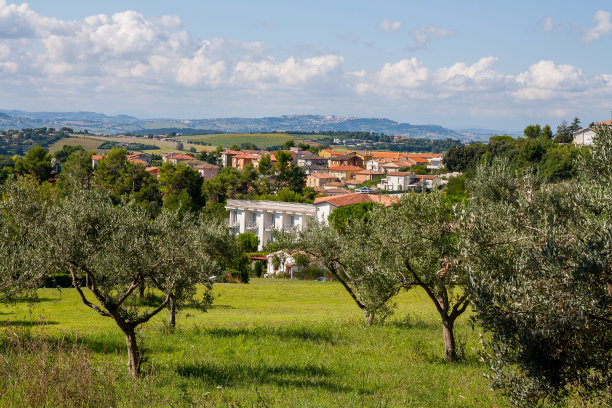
[(115, 248), (419, 236)]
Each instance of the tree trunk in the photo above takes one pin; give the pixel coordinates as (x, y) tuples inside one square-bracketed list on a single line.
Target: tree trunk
[(133, 352), (172, 307), (450, 350), (141, 290), (369, 316)]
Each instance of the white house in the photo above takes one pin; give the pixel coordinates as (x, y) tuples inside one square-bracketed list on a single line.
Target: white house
[(584, 136), (435, 163), (261, 217), (397, 181)]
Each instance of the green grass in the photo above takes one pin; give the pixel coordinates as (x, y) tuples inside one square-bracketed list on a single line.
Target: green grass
[(277, 343), (261, 140), (85, 142)]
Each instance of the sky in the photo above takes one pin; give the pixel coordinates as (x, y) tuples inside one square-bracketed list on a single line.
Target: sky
[(468, 64)]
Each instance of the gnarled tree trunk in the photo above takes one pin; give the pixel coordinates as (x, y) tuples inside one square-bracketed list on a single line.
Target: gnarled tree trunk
[(134, 356), (450, 349)]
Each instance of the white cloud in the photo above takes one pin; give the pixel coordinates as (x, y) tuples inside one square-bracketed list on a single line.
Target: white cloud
[(603, 25), (424, 34), (388, 25), (547, 25), (479, 76)]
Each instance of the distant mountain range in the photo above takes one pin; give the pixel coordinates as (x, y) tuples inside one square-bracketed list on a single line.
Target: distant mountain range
[(101, 123)]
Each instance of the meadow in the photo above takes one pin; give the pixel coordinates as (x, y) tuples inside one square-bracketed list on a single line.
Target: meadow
[(261, 140), (271, 343)]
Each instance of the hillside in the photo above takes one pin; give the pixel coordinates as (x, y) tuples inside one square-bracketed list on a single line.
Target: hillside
[(100, 123)]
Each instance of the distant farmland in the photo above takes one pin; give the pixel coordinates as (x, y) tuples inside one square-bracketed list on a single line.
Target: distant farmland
[(86, 142), (261, 140)]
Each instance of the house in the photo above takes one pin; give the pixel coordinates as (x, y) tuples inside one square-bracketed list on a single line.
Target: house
[(261, 217), (176, 158), (207, 170), (153, 170), (319, 179), (327, 153), (284, 263), (435, 163), (334, 191), (310, 159), (242, 159), (139, 158), (367, 175), (95, 159), (344, 172), (397, 181), (584, 137), (348, 159), (226, 157)]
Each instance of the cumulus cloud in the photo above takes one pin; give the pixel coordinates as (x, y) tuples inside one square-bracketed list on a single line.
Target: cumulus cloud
[(388, 25), (423, 35), (603, 26)]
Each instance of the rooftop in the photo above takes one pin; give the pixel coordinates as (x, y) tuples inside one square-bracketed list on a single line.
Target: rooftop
[(356, 198)]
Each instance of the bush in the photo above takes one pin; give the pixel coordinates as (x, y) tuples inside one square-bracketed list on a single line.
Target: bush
[(258, 271), (310, 273)]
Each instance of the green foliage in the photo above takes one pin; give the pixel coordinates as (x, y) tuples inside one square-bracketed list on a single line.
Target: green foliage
[(37, 162), (129, 146), (181, 187), (559, 163), (532, 131), (455, 189), (538, 257), (248, 241), (65, 152), (341, 218), (259, 269), (460, 158)]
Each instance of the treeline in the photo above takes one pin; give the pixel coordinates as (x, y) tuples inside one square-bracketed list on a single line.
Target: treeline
[(17, 142), (552, 155), (130, 146), (172, 131)]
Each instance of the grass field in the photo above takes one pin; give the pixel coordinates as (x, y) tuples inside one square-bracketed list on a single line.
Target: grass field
[(274, 343), (261, 140), (86, 142)]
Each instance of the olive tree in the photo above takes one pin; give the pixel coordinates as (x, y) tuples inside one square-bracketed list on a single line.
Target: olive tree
[(418, 238), (539, 261), (115, 248), (354, 260)]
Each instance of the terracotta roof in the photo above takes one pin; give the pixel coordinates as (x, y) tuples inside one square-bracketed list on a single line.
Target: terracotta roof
[(97, 157), (356, 198), (246, 156), (392, 164), (419, 159), (230, 152), (336, 191), (206, 166), (604, 123), (399, 173), (334, 184), (345, 156), (138, 161), (153, 170), (178, 156), (346, 168), (425, 176), (352, 181), (322, 175), (372, 172)]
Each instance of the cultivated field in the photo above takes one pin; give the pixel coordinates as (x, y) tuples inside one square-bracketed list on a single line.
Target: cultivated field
[(271, 343), (86, 142), (261, 140)]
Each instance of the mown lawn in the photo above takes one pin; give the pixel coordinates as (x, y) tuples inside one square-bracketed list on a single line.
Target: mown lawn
[(276, 343)]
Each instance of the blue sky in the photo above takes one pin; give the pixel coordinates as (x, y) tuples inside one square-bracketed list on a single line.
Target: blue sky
[(499, 65)]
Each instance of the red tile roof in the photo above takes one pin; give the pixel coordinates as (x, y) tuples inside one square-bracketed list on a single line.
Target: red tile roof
[(97, 157), (322, 176), (346, 168), (399, 173), (356, 198), (604, 123), (178, 156)]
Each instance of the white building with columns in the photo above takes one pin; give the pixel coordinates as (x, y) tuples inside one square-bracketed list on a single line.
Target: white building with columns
[(261, 217)]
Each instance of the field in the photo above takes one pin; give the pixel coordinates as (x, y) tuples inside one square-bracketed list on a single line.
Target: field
[(92, 143), (261, 140), (86, 142), (273, 343)]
